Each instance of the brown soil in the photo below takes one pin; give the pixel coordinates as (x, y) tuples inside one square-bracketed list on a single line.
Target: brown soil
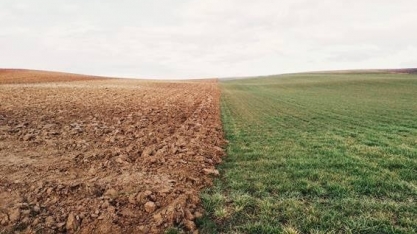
[(19, 76), (106, 156)]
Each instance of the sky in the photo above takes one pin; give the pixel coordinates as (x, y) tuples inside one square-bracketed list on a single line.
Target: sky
[(206, 38)]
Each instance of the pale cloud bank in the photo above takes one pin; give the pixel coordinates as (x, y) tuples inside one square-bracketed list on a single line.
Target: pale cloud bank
[(210, 38)]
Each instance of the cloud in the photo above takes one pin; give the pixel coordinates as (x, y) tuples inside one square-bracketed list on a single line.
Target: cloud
[(210, 38)]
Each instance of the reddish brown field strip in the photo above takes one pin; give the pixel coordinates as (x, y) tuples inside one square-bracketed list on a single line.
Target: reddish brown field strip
[(19, 76), (106, 156)]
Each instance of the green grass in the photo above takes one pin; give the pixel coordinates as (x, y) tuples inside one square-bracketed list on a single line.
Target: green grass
[(317, 153)]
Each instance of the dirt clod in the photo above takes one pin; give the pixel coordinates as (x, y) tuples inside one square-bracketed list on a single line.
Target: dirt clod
[(190, 225), (150, 207), (14, 215), (111, 193), (198, 214), (36, 209), (211, 171), (72, 222), (49, 221), (28, 137)]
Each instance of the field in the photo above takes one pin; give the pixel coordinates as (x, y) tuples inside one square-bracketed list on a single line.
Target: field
[(22, 76), (93, 155), (317, 153), (306, 153)]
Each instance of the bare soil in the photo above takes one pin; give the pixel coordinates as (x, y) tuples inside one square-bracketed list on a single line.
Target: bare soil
[(106, 156), (20, 76)]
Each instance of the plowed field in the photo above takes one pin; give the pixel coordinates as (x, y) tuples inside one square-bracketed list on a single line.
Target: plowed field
[(20, 76), (106, 156)]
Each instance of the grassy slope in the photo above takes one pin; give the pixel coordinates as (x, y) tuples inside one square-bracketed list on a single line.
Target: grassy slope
[(318, 153)]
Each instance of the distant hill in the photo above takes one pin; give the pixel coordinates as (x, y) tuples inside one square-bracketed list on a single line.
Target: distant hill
[(358, 71), (19, 76), (361, 71)]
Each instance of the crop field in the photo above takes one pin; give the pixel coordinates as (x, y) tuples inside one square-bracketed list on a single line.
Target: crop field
[(317, 153), (105, 155), (306, 153), (21, 76)]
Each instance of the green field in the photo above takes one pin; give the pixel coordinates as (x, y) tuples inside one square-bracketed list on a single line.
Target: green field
[(317, 153)]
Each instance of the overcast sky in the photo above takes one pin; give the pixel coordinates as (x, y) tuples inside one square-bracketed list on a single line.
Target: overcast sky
[(206, 38)]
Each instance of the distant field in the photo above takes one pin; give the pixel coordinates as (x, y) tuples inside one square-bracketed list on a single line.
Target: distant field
[(318, 153), (19, 76)]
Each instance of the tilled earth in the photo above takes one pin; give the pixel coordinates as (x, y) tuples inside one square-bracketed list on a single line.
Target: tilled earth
[(106, 156), (21, 76)]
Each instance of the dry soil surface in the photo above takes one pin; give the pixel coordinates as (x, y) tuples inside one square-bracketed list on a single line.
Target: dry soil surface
[(106, 156), (21, 76)]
